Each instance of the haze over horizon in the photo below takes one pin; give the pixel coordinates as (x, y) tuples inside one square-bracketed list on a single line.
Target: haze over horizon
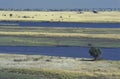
[(58, 4)]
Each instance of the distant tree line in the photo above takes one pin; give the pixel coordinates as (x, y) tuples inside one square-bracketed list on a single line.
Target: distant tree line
[(76, 9)]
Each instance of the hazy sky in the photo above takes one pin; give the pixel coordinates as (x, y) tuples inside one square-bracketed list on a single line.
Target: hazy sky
[(59, 4)]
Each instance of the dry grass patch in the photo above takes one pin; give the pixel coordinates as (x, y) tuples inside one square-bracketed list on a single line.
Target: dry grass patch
[(58, 67), (65, 16)]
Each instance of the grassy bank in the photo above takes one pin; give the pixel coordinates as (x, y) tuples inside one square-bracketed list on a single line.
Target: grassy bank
[(53, 36), (50, 67), (65, 16)]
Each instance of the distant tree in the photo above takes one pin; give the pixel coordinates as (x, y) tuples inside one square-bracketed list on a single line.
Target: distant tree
[(80, 12), (61, 17), (95, 11), (26, 17), (95, 52), (11, 15)]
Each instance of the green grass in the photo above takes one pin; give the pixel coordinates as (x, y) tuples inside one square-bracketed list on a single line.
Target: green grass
[(45, 36), (50, 74), (39, 73), (61, 30), (8, 75)]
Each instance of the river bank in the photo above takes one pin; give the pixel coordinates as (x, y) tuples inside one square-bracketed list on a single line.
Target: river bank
[(39, 66)]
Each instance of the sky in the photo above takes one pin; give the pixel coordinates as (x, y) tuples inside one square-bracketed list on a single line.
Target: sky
[(59, 4)]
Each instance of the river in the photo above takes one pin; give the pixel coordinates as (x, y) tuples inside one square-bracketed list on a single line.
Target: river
[(61, 24), (108, 53), (82, 52)]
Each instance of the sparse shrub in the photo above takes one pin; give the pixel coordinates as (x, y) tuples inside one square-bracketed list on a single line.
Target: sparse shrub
[(61, 17), (3, 14), (47, 60), (51, 19), (26, 17), (69, 16), (17, 60), (95, 11), (11, 15), (36, 59), (80, 12)]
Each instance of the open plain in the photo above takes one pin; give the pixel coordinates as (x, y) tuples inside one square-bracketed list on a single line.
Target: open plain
[(58, 16)]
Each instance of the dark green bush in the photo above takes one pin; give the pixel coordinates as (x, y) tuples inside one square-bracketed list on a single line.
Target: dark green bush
[(95, 52)]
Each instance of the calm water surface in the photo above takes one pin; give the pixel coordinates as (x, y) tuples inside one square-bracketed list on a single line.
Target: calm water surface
[(108, 53), (64, 24)]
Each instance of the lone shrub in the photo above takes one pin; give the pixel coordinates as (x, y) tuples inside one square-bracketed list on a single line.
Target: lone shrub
[(11, 15), (95, 52)]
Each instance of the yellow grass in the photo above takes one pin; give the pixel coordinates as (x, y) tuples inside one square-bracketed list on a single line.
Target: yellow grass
[(65, 16), (62, 66), (110, 36)]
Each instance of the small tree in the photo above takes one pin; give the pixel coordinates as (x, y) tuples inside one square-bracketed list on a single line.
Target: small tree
[(95, 11), (95, 52), (11, 15)]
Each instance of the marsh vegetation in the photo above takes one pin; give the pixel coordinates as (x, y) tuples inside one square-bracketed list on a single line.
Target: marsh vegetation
[(56, 36)]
